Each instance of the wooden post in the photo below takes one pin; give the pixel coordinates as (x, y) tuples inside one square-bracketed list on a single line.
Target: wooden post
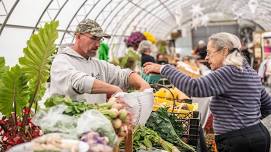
[(129, 140)]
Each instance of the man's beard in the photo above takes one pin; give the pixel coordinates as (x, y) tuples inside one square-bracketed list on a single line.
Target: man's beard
[(92, 54)]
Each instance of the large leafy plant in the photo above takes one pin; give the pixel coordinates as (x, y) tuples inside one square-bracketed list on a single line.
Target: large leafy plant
[(23, 85), (129, 60), (3, 68), (36, 59)]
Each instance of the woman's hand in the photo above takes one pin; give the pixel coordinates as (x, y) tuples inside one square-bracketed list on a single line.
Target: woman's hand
[(150, 67)]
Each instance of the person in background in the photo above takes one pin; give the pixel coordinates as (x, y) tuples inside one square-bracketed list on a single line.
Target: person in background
[(246, 53), (177, 57), (265, 71), (239, 99), (200, 51), (160, 59), (145, 48), (77, 74)]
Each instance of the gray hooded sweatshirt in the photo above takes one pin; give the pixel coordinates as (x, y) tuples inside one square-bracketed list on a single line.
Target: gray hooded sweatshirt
[(72, 75)]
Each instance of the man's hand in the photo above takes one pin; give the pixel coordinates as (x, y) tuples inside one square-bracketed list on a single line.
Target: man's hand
[(104, 88), (113, 90)]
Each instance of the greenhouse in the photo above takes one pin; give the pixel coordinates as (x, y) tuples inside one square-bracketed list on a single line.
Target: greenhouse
[(135, 75)]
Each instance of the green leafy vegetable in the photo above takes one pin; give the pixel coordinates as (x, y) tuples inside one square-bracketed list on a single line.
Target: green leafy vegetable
[(168, 128), (145, 138)]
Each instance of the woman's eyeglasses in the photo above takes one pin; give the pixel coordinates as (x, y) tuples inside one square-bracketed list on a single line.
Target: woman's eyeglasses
[(211, 53)]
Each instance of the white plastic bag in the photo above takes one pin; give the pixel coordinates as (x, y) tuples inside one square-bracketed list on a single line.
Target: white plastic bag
[(139, 104), (93, 120)]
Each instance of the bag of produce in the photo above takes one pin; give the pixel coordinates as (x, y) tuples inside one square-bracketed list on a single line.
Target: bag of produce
[(93, 120), (52, 142), (54, 120), (96, 142)]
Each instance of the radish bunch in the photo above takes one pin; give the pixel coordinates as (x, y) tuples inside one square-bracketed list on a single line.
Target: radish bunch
[(115, 111)]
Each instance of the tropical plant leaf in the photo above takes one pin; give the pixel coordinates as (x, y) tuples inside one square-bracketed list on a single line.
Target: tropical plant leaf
[(37, 58), (3, 67), (13, 91)]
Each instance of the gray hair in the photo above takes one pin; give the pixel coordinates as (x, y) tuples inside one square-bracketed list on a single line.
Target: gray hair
[(231, 42), (145, 46)]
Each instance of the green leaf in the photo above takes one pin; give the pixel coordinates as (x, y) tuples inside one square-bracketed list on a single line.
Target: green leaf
[(13, 91), (3, 68), (123, 61), (37, 59)]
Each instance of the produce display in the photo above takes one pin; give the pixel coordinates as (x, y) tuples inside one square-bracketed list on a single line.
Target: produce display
[(174, 100), (96, 142), (55, 143), (114, 110), (169, 128), (145, 138), (82, 127)]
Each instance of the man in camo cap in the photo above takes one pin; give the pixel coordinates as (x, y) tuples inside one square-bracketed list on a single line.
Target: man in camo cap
[(89, 30), (75, 73), (91, 27)]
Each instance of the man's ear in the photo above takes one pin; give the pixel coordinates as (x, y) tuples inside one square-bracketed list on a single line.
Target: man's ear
[(77, 36)]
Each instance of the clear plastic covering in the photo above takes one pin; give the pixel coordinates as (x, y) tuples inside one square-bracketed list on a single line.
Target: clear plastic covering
[(54, 120), (92, 120)]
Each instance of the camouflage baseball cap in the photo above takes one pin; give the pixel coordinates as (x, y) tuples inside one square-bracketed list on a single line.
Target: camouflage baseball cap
[(91, 27)]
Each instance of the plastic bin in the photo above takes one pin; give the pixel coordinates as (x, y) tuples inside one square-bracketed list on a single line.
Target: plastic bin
[(191, 128), (151, 78)]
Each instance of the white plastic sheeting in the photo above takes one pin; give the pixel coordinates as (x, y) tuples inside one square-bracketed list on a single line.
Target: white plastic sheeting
[(20, 18)]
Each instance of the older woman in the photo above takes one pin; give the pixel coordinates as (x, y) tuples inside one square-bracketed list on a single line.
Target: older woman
[(239, 100), (145, 48)]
